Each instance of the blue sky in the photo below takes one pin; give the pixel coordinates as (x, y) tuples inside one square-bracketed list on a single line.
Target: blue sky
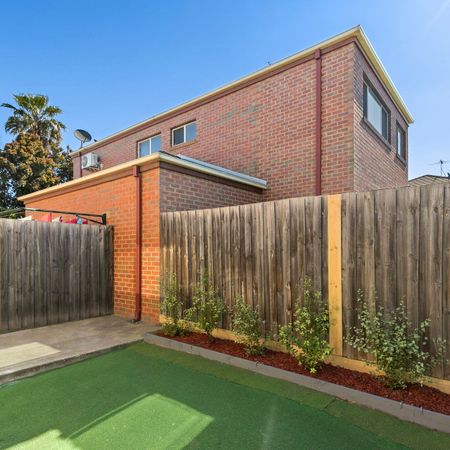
[(110, 64)]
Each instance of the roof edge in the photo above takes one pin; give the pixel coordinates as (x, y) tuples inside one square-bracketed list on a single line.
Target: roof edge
[(356, 32), (197, 166)]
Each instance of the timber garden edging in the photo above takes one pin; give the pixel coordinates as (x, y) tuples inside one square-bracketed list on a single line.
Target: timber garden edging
[(402, 411)]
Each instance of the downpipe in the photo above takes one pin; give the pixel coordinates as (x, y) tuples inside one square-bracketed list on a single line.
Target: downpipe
[(138, 251)]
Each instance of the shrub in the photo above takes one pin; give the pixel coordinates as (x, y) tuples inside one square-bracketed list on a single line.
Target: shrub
[(248, 327), (307, 337), (396, 348), (207, 307), (172, 306)]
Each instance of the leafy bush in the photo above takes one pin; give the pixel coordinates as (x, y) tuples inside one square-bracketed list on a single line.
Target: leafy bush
[(172, 307), (396, 348), (207, 307), (307, 337), (248, 327)]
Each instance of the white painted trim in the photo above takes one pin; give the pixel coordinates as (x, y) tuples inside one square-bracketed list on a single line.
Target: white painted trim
[(216, 171)]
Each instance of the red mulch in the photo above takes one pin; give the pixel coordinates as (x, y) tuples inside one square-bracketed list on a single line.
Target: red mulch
[(421, 396)]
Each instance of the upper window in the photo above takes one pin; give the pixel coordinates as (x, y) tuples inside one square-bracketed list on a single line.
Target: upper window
[(375, 112), (401, 142), (185, 133), (149, 146)]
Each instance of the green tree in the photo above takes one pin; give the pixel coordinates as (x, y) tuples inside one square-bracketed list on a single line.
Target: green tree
[(34, 115), (35, 159), (64, 165), (25, 166)]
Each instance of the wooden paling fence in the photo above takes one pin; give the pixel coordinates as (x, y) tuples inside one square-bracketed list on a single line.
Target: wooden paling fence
[(53, 272), (392, 245)]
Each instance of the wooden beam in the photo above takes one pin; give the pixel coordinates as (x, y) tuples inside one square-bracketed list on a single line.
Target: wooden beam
[(335, 273)]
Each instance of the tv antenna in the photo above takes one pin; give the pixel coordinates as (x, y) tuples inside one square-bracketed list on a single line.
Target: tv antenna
[(441, 164), (83, 136)]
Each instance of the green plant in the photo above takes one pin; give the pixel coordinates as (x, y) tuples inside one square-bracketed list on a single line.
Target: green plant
[(248, 327), (307, 337), (172, 307), (396, 347), (207, 307)]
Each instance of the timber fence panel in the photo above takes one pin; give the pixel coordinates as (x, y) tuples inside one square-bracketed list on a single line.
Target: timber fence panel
[(394, 246), (52, 273), (257, 251)]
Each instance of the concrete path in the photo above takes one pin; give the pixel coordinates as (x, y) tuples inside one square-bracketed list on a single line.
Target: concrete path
[(27, 352)]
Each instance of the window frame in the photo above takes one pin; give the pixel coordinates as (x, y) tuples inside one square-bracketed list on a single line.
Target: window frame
[(150, 140), (401, 153), (369, 87), (184, 126)]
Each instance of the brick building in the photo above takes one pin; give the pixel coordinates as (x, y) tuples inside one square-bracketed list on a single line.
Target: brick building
[(325, 120)]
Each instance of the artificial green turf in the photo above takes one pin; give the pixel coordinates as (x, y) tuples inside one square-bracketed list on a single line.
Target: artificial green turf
[(147, 397)]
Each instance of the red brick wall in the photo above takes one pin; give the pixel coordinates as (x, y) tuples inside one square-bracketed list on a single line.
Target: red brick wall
[(162, 190), (376, 162), (337, 121), (180, 192), (117, 199), (267, 129), (150, 244)]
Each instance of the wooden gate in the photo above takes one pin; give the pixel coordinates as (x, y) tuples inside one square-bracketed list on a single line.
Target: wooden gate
[(53, 272)]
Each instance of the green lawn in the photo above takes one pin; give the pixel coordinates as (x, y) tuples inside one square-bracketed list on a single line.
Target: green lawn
[(147, 397)]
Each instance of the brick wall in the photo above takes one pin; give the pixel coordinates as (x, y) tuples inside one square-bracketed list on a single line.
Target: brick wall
[(150, 244), (180, 192), (264, 130), (337, 121), (117, 199), (267, 129), (162, 190), (376, 162)]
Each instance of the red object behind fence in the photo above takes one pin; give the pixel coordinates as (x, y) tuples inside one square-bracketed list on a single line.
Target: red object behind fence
[(46, 218)]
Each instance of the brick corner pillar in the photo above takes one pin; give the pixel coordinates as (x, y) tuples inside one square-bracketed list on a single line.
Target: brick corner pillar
[(151, 252)]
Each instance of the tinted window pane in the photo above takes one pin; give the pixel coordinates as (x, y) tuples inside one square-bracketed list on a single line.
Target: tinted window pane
[(401, 142), (384, 119), (374, 112), (156, 144), (144, 148), (191, 131), (178, 136)]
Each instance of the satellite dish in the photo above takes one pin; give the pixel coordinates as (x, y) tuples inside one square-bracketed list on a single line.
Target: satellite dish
[(83, 136)]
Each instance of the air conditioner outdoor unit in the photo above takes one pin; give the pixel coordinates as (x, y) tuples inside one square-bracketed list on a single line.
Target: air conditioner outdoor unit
[(89, 161)]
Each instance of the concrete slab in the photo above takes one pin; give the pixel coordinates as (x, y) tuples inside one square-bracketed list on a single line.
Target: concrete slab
[(26, 352)]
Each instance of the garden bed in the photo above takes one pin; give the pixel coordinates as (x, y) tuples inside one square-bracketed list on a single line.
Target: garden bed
[(416, 395)]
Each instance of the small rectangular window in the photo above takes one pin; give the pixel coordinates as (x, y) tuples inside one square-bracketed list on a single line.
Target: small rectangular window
[(401, 142), (178, 136), (375, 112), (149, 146), (185, 133)]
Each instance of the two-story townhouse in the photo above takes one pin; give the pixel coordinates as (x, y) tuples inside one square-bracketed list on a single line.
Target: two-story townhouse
[(325, 120)]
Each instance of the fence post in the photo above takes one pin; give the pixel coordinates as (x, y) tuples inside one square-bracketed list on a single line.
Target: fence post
[(335, 273)]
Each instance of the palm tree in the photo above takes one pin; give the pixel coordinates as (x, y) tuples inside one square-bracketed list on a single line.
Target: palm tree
[(34, 115)]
